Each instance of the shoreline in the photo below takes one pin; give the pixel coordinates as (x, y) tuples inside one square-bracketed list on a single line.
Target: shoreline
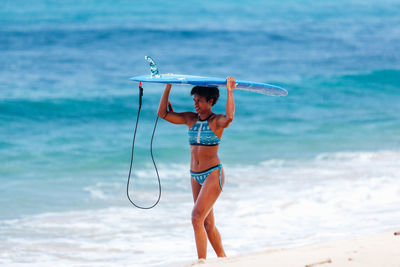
[(374, 250)]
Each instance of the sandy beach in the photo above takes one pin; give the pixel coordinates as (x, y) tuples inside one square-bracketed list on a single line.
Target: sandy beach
[(375, 250)]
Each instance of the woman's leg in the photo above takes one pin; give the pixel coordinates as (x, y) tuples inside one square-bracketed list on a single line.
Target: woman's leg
[(213, 235), (209, 224), (206, 197)]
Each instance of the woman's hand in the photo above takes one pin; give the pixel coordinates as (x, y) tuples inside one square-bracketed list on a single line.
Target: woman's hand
[(168, 86), (230, 83)]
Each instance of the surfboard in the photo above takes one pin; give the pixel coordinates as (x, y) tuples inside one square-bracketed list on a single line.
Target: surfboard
[(256, 87), (155, 77)]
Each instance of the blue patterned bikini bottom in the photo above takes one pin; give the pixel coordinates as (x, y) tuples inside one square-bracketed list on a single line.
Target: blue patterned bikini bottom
[(200, 177)]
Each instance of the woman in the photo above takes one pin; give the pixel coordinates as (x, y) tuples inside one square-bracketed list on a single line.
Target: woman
[(207, 175)]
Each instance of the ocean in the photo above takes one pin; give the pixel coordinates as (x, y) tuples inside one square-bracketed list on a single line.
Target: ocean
[(319, 164)]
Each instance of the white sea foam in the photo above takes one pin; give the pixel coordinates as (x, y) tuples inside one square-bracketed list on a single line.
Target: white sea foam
[(271, 204)]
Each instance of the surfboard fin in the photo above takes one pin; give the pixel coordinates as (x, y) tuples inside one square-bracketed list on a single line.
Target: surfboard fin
[(153, 67)]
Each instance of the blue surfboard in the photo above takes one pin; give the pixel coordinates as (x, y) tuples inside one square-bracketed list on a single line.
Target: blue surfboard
[(256, 87)]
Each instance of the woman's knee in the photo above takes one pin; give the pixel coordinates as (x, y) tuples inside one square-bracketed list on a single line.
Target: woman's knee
[(197, 218)]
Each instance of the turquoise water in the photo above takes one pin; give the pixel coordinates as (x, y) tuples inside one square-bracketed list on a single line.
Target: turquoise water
[(68, 110)]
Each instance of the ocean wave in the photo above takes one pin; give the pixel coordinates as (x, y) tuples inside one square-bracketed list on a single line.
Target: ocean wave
[(378, 82), (101, 108)]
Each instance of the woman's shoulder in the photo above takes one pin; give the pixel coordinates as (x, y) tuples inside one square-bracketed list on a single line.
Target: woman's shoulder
[(219, 120), (190, 116)]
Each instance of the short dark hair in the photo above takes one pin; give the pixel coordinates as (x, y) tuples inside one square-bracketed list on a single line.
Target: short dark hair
[(207, 92)]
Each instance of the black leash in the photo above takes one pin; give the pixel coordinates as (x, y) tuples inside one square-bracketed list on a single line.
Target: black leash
[(151, 152)]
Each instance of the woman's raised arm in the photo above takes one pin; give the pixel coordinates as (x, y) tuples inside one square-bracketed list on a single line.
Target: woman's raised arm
[(170, 116), (224, 121)]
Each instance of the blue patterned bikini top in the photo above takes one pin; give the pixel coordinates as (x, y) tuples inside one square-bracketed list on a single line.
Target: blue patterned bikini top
[(201, 134)]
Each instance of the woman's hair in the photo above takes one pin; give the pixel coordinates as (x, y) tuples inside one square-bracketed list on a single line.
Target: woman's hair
[(207, 92)]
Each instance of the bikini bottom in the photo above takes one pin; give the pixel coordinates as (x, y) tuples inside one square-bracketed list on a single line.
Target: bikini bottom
[(200, 177)]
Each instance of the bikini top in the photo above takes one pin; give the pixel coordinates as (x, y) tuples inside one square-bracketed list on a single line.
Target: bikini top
[(201, 134)]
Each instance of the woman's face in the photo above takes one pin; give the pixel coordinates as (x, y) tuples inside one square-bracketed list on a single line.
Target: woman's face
[(200, 103)]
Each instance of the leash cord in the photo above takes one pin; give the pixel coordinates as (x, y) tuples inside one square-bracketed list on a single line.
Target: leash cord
[(151, 152)]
